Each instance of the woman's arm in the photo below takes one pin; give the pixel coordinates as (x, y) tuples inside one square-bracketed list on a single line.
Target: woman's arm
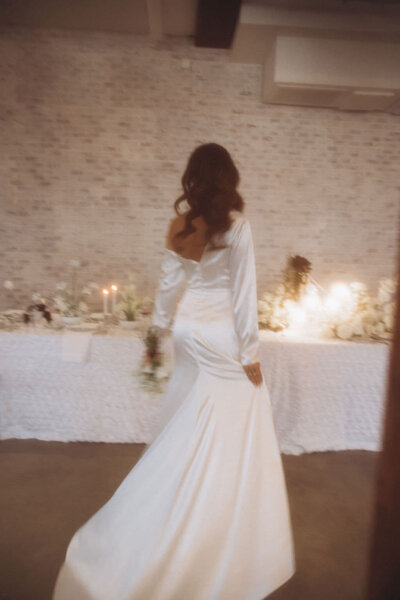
[(244, 297), (172, 274)]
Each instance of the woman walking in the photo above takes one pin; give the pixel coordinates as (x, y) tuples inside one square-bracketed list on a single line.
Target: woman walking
[(204, 514)]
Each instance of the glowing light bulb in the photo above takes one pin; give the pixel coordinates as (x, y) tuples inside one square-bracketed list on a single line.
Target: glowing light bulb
[(297, 316), (311, 301), (332, 304), (339, 302), (341, 291)]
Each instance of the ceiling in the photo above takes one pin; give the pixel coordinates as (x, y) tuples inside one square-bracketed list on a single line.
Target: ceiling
[(123, 16), (161, 18), (267, 32)]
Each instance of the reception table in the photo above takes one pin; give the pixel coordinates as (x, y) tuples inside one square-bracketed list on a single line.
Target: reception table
[(325, 395)]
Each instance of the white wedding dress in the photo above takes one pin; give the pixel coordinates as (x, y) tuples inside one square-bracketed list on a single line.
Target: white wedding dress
[(204, 514)]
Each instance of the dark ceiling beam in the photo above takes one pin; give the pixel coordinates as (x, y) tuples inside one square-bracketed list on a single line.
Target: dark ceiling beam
[(216, 22)]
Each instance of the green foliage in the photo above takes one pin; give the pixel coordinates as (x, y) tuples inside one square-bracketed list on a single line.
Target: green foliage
[(130, 300)]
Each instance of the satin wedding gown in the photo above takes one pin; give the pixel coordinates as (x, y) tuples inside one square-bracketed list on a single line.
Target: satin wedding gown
[(204, 513)]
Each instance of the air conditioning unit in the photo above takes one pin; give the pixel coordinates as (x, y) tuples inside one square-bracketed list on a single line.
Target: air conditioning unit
[(335, 73)]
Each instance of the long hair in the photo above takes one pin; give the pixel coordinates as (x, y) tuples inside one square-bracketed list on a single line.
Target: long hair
[(209, 185)]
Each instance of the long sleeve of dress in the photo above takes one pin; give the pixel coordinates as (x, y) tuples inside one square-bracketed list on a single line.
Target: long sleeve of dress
[(244, 291), (172, 274)]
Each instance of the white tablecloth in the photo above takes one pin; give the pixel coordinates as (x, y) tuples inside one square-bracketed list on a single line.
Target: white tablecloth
[(325, 395)]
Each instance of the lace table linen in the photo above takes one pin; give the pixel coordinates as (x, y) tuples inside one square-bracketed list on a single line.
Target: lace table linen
[(326, 395)]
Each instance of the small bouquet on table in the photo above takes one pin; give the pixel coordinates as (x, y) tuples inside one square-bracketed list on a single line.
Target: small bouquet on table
[(154, 369), (69, 298), (128, 309), (37, 311)]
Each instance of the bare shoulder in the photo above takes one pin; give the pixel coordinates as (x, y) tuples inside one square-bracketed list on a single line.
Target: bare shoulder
[(176, 224)]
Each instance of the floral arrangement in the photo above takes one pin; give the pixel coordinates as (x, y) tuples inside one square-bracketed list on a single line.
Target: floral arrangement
[(346, 311), (130, 301), (296, 276), (275, 309), (365, 316), (38, 308), (152, 370), (70, 298), (36, 311)]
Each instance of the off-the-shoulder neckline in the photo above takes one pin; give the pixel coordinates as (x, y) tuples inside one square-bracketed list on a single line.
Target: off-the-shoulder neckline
[(189, 259), (197, 262)]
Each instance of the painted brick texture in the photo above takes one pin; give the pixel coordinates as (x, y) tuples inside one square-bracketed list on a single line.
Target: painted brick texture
[(95, 131)]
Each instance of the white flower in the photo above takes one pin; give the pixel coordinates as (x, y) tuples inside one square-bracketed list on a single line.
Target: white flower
[(380, 328), (357, 325), (87, 291), (386, 291), (357, 287), (388, 308), (268, 297), (161, 373), (263, 306), (61, 286), (327, 331), (388, 321), (369, 329), (8, 284), (275, 323), (280, 290), (370, 316), (74, 263), (59, 302), (344, 331), (36, 297)]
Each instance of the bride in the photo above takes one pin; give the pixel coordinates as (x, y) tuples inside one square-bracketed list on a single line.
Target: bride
[(204, 513)]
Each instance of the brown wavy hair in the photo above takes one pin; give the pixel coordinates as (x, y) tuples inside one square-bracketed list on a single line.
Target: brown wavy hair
[(209, 185)]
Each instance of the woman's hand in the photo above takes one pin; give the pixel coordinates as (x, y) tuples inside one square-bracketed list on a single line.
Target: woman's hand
[(253, 372)]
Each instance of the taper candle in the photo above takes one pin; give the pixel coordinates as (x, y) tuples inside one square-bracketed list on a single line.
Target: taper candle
[(105, 302), (113, 297)]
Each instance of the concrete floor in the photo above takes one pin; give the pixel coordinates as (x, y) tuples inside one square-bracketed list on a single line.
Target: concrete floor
[(49, 489)]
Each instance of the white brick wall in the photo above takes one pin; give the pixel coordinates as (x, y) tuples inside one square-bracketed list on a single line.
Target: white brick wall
[(95, 131)]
